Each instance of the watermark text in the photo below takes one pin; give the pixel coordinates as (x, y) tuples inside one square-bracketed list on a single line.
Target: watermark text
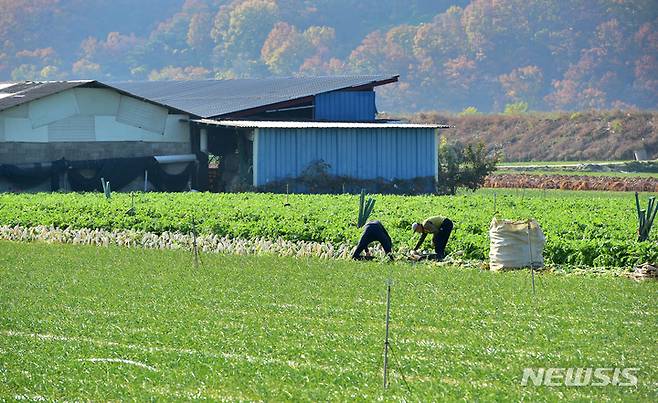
[(579, 376)]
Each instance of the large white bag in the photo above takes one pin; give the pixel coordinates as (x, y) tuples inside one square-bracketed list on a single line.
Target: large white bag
[(515, 244)]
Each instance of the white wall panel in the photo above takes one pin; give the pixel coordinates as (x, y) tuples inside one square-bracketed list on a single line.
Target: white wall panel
[(21, 130), (108, 129), (92, 114), (97, 101), (142, 114), (175, 130), (76, 128), (53, 108), (19, 111)]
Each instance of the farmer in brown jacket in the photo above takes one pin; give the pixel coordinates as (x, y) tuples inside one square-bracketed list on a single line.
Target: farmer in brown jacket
[(440, 228)]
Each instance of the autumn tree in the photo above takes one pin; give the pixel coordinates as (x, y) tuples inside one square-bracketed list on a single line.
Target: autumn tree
[(523, 84), (179, 73), (450, 54), (105, 56), (239, 31), (645, 66)]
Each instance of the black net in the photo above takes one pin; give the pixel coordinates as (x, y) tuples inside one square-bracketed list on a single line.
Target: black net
[(118, 171), (165, 182), (27, 176)]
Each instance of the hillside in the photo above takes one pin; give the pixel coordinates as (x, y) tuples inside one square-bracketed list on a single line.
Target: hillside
[(610, 135), (451, 54)]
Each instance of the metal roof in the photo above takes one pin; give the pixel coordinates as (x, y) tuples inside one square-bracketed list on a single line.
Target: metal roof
[(260, 124), (14, 94), (213, 98), (201, 98)]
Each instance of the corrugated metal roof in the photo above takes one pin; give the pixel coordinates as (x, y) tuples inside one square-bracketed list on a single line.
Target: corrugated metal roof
[(14, 94), (203, 98), (260, 124), (212, 98)]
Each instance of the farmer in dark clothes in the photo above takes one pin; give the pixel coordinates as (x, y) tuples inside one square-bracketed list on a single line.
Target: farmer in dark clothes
[(440, 228), (373, 231)]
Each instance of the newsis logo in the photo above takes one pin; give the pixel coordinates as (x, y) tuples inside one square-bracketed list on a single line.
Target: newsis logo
[(580, 376)]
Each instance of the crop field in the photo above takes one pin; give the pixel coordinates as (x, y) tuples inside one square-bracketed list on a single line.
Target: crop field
[(605, 169), (90, 323), (583, 229), (561, 163)]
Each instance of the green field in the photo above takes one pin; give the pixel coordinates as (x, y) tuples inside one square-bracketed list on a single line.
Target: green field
[(563, 163), (582, 228), (275, 328), (574, 172), (620, 169)]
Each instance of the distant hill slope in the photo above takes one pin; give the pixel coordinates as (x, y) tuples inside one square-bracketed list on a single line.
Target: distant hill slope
[(451, 54), (598, 136)]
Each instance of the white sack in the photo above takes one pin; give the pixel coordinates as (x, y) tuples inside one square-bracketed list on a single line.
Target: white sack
[(512, 243)]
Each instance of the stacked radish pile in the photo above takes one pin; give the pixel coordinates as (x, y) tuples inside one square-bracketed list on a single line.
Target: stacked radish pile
[(175, 240)]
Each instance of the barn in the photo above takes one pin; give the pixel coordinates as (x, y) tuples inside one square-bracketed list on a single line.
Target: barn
[(160, 135)]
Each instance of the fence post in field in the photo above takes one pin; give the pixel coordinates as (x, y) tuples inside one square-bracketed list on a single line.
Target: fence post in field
[(388, 317), (194, 245), (532, 263)]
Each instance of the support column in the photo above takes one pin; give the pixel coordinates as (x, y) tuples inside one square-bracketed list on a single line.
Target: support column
[(203, 140)]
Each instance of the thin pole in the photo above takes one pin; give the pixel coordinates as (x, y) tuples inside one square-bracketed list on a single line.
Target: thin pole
[(194, 244), (146, 180), (532, 263), (388, 317), (495, 203)]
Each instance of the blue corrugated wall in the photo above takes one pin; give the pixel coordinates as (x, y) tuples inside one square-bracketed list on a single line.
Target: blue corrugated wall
[(388, 153), (345, 106)]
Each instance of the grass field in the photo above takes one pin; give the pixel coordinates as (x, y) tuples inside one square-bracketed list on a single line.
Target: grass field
[(293, 329), (571, 168), (573, 172), (562, 163)]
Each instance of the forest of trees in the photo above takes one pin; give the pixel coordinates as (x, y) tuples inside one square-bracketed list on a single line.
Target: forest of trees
[(452, 55)]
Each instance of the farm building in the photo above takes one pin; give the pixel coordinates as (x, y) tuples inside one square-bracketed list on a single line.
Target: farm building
[(159, 135)]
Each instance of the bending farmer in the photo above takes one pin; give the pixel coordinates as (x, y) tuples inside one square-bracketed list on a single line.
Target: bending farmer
[(440, 228), (373, 231)]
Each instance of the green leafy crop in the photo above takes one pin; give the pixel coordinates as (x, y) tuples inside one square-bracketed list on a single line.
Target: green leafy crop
[(582, 228)]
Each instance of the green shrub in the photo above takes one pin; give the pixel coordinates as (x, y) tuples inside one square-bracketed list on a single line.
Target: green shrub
[(516, 108), (463, 166)]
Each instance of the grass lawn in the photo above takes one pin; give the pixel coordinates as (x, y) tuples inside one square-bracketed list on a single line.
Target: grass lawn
[(293, 329)]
